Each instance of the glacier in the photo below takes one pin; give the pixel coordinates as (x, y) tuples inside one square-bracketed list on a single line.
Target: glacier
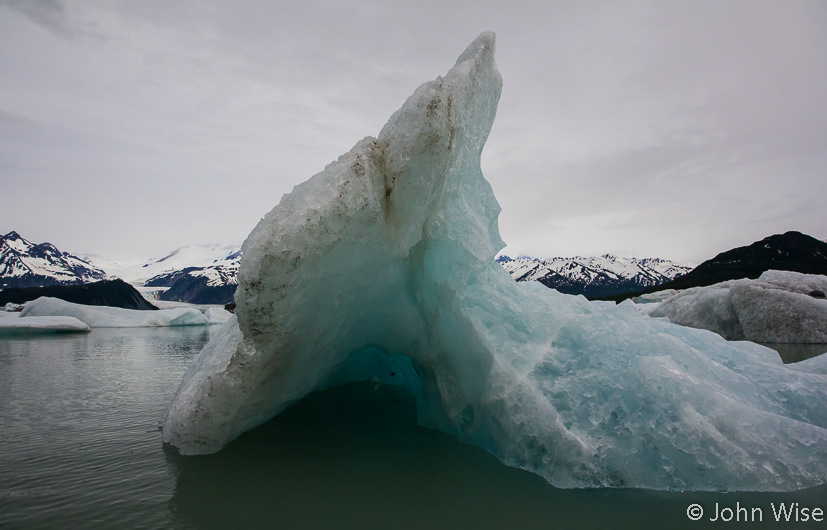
[(778, 306), (381, 268)]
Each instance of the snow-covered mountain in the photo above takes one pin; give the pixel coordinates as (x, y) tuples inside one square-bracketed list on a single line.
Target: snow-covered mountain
[(207, 274), (190, 256), (219, 272), (26, 264), (594, 276), (790, 251), (214, 284)]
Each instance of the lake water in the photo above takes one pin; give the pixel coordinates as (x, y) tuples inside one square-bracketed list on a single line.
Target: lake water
[(80, 447)]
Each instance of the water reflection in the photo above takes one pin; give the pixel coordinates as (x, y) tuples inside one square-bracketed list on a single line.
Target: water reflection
[(80, 448), (79, 440), (793, 353), (353, 457)]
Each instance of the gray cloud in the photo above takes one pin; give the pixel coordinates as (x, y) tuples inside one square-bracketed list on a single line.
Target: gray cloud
[(50, 14)]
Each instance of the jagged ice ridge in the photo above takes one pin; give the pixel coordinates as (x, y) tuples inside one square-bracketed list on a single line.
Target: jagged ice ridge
[(381, 268)]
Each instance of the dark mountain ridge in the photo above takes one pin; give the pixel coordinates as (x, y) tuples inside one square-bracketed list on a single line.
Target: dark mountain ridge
[(197, 290), (790, 251), (112, 293)]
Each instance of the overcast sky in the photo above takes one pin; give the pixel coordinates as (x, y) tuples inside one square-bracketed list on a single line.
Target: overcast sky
[(671, 129)]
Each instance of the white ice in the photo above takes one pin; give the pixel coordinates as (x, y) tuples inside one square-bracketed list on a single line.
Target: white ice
[(780, 306), (114, 317), (41, 324), (653, 298), (382, 268), (217, 315)]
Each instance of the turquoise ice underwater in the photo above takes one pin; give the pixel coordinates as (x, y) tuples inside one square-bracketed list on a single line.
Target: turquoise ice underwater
[(380, 268)]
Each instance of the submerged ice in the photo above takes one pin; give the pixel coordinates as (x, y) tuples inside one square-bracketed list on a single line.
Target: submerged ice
[(381, 268)]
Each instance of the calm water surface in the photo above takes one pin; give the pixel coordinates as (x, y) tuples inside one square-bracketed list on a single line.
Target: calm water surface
[(80, 448)]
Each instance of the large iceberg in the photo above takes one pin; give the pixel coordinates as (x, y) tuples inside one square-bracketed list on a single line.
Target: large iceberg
[(381, 268), (780, 306), (115, 317)]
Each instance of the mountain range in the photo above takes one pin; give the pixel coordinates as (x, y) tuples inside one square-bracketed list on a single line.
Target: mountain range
[(790, 251), (597, 276), (201, 274), (26, 264), (140, 272), (207, 274), (593, 277), (198, 274), (212, 284)]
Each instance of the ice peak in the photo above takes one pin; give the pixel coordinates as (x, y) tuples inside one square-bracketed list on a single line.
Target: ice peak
[(483, 46)]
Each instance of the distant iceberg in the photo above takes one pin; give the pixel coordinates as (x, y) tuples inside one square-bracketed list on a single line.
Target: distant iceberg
[(116, 317), (15, 324), (381, 268), (780, 306)]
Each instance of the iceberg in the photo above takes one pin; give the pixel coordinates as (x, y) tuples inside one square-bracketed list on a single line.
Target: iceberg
[(15, 324), (217, 315), (381, 268), (654, 298), (113, 317), (780, 306)]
